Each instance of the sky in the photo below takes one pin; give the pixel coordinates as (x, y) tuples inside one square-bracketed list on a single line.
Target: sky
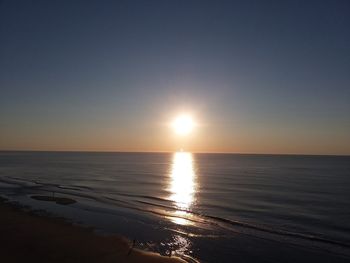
[(257, 76)]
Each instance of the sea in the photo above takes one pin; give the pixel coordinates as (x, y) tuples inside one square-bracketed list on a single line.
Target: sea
[(201, 207)]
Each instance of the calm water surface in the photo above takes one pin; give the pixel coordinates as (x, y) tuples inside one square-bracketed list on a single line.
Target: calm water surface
[(213, 207)]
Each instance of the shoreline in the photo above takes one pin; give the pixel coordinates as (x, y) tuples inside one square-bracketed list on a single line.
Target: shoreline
[(27, 236)]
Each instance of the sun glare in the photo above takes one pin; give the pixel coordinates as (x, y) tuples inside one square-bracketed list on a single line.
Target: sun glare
[(183, 124), (182, 186)]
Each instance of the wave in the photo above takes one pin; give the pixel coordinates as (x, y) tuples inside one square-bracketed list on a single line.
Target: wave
[(215, 219), (165, 208)]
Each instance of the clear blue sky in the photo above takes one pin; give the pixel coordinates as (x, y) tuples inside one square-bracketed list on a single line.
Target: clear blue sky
[(258, 76)]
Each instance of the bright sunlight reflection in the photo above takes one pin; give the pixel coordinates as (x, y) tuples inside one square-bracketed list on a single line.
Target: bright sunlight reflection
[(182, 185)]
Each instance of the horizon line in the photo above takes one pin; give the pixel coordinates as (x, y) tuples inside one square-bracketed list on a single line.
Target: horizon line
[(195, 152)]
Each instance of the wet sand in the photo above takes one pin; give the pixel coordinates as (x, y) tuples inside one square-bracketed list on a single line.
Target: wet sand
[(57, 200), (28, 237)]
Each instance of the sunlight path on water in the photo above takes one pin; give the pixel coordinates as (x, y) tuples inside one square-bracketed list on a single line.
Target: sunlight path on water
[(182, 186)]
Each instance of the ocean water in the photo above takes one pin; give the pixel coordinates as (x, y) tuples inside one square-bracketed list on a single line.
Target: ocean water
[(210, 207)]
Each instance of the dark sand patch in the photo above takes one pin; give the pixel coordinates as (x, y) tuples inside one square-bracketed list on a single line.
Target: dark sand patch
[(57, 200), (26, 237)]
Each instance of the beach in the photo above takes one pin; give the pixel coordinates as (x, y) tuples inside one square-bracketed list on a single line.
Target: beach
[(206, 207), (175, 131), (29, 237)]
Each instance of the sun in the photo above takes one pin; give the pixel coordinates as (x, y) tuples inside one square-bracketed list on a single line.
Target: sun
[(183, 124)]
